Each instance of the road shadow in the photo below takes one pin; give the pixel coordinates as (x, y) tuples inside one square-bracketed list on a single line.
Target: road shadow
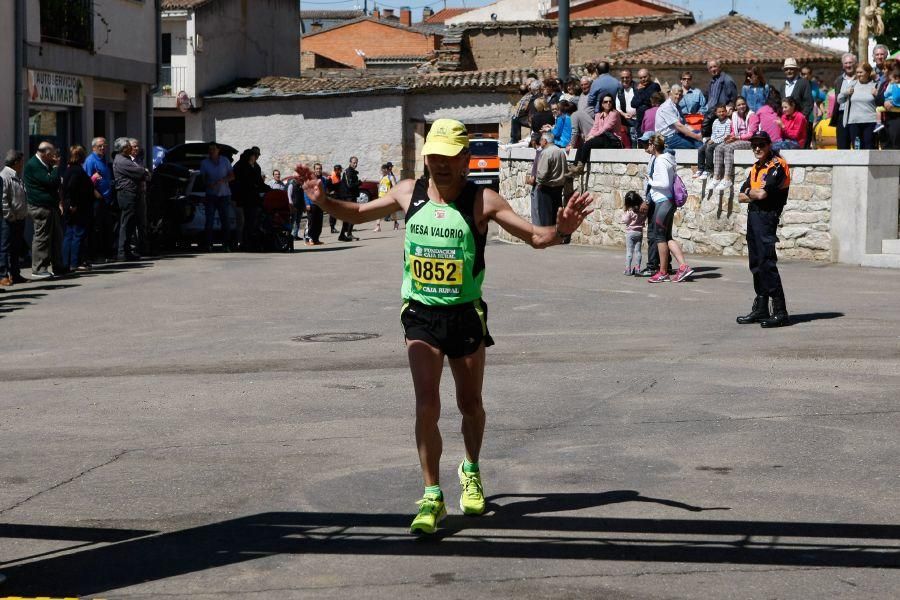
[(521, 529), (695, 276), (818, 316), (40, 287), (705, 269), (347, 246)]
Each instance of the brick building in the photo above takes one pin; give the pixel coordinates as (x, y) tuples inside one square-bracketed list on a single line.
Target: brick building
[(349, 44)]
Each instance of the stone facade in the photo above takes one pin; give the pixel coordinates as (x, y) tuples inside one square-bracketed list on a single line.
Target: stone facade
[(711, 224), (499, 45)]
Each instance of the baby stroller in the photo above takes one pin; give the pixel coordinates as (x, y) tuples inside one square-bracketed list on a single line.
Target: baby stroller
[(275, 222)]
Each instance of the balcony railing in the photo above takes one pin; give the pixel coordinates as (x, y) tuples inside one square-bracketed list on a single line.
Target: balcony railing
[(68, 22), (172, 80)]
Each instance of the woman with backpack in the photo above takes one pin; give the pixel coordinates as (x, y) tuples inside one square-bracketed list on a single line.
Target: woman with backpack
[(661, 195)]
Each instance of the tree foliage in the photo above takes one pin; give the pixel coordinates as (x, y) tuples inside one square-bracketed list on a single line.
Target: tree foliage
[(840, 15)]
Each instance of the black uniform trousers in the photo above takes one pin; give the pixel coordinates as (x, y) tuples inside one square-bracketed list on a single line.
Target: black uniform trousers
[(761, 239)]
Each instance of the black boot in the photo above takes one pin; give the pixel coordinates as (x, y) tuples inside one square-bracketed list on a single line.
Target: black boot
[(759, 312), (779, 314)]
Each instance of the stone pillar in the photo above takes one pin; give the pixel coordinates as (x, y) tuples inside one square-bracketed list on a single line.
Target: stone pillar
[(864, 210)]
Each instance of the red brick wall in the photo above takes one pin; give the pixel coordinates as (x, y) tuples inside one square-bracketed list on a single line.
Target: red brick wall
[(372, 38)]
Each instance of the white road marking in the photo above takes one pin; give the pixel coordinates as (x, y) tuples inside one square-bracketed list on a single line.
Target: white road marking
[(527, 306)]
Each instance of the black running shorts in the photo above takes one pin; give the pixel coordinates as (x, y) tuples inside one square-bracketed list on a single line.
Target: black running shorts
[(456, 330)]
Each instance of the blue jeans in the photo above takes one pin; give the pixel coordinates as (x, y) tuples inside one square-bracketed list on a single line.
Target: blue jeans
[(12, 240), (222, 206), (74, 245), (785, 145), (680, 141)]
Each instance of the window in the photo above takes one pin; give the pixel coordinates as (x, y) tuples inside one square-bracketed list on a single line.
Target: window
[(68, 22), (166, 51)]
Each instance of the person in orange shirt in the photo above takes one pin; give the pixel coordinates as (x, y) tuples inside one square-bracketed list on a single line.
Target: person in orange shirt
[(334, 181), (765, 192)]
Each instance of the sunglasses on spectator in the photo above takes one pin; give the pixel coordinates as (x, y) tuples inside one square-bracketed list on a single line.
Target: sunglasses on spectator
[(758, 145), (607, 102)]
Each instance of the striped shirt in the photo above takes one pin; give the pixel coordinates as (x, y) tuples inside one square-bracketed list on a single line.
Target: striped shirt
[(720, 130)]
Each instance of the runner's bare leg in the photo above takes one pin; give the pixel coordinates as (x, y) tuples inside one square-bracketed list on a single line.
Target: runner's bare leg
[(426, 364), (468, 374)]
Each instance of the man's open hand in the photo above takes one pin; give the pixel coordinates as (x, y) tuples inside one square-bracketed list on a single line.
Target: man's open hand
[(572, 215), (311, 185)]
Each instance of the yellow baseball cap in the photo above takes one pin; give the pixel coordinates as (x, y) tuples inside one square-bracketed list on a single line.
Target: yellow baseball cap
[(447, 137)]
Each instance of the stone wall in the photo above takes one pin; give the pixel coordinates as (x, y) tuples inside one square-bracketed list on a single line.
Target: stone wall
[(709, 223), (500, 45)]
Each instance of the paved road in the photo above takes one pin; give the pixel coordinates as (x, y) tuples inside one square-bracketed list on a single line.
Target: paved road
[(164, 435)]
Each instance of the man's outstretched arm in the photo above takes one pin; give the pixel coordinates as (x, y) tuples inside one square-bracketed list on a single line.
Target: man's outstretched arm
[(355, 213), (568, 219)]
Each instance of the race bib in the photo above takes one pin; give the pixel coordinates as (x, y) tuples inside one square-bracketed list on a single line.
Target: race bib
[(436, 270)]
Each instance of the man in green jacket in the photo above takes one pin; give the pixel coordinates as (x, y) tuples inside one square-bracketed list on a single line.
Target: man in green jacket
[(41, 178)]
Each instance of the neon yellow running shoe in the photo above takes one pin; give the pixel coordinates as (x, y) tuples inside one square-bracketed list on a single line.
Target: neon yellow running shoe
[(431, 512), (471, 501)]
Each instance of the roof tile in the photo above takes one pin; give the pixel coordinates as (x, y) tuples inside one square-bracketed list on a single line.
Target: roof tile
[(733, 39), (445, 13), (495, 79)]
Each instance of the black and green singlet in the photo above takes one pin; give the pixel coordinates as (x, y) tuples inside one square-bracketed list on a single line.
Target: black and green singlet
[(443, 252)]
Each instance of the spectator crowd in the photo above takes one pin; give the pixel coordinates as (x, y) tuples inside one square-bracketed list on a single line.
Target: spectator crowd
[(860, 109), (80, 209)]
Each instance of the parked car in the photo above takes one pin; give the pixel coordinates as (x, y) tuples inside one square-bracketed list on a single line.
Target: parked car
[(484, 164), (175, 211)]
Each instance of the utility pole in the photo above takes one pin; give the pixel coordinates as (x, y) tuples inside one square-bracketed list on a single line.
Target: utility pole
[(862, 46), (562, 41)]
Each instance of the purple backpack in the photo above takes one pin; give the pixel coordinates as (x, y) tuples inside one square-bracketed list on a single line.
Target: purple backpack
[(679, 192)]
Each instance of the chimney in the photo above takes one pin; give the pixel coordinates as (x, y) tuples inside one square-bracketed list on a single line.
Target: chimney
[(388, 13), (406, 16), (427, 13), (787, 27), (376, 15)]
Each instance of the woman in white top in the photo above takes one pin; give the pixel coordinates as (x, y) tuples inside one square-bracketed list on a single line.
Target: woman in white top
[(860, 117), (660, 204)]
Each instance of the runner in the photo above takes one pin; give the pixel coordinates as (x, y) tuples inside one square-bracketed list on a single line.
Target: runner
[(443, 314)]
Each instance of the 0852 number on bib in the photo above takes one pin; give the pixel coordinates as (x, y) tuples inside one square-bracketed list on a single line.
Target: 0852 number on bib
[(436, 270)]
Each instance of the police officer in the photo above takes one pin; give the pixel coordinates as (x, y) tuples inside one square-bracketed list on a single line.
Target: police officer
[(765, 192)]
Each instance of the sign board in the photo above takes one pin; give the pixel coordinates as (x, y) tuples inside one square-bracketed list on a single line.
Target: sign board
[(45, 87), (184, 101)]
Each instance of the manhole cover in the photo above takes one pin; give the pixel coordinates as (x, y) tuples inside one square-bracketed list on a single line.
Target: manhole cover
[(335, 337)]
